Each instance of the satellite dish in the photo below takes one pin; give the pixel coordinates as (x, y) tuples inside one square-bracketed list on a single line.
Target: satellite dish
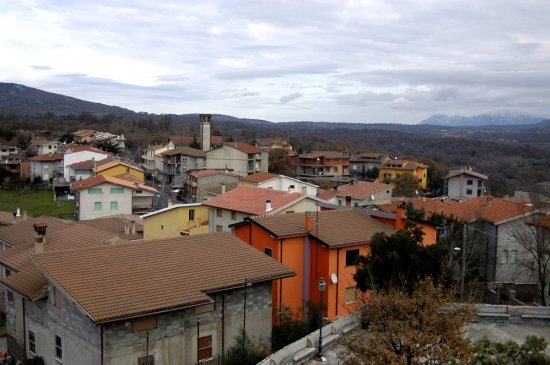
[(333, 278)]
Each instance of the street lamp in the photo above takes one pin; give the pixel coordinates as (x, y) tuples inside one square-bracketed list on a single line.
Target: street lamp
[(321, 286)]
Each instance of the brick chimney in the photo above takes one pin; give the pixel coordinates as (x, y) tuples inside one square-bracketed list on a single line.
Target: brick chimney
[(489, 200), (308, 221), (400, 216), (268, 207), (348, 200), (132, 227), (39, 239)]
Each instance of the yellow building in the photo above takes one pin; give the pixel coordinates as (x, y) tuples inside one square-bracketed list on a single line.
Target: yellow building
[(392, 169), (120, 169), (175, 220)]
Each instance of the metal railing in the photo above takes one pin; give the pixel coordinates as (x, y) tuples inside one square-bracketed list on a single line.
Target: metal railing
[(232, 356)]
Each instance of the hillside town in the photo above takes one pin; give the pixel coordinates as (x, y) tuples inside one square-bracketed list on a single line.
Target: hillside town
[(170, 257)]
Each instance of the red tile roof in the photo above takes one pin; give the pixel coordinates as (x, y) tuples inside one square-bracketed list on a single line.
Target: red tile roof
[(402, 165), (259, 177), (6, 218), (104, 165), (361, 190), (209, 172), (494, 210), (326, 194), (83, 147), (252, 200), (243, 147), (185, 151), (187, 140), (23, 232), (333, 227), (47, 157), (89, 164), (26, 279), (127, 280), (104, 179), (325, 154)]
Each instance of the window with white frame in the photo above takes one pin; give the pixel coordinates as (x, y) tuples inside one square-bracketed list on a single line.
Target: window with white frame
[(32, 341), (58, 347)]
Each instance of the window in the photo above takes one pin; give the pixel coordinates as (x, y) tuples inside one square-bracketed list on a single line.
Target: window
[(58, 347), (114, 206), (117, 190), (191, 214), (513, 256), (94, 190), (468, 191), (479, 183), (478, 192), (469, 182), (233, 215), (351, 255), (339, 201), (355, 204), (97, 206), (505, 256), (10, 296), (205, 347), (268, 251), (32, 342), (219, 212), (219, 229), (351, 295), (146, 360), (7, 272)]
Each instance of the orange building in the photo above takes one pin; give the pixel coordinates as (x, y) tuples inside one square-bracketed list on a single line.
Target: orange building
[(315, 245)]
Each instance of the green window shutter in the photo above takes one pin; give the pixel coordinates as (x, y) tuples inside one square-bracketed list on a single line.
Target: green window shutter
[(97, 206), (117, 190), (114, 206), (94, 190)]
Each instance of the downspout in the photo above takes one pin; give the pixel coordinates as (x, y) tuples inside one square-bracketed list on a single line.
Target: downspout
[(338, 276), (102, 344), (281, 280), (307, 269), (223, 322), (24, 329)]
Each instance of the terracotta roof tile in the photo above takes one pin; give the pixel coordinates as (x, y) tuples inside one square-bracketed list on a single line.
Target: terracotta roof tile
[(89, 164), (403, 165), (42, 142), (104, 179), (243, 147), (23, 232), (26, 279), (494, 210), (113, 163), (361, 190), (209, 172), (126, 280), (325, 154), (47, 157), (333, 227), (6, 218), (186, 151), (326, 194), (253, 200), (83, 147), (259, 177), (187, 140)]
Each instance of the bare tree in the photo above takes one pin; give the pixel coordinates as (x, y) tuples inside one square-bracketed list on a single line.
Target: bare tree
[(533, 235), (416, 328)]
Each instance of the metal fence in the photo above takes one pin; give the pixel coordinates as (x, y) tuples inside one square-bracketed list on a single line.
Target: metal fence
[(232, 356)]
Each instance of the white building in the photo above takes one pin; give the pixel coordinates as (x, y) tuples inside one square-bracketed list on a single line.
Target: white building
[(80, 153), (103, 196), (464, 184), (269, 180)]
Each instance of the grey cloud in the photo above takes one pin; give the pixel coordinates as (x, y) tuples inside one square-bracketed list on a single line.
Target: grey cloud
[(40, 68), (287, 98), (277, 71)]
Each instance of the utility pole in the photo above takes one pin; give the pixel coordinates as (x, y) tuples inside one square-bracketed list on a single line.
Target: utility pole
[(463, 264)]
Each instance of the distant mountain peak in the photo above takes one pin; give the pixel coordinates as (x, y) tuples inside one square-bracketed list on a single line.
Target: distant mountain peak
[(505, 118)]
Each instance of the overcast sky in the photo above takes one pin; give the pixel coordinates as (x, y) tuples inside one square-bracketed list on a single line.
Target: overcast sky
[(341, 61)]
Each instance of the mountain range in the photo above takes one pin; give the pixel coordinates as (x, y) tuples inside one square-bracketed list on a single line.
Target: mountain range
[(482, 120)]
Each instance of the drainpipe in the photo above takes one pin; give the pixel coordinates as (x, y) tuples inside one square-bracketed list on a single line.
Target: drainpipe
[(102, 343), (24, 330), (223, 322)]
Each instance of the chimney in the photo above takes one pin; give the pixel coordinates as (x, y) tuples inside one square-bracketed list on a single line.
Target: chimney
[(268, 205), (308, 221), (400, 216), (132, 227), (94, 162), (223, 188), (489, 200), (126, 227), (226, 170), (205, 125), (348, 200), (39, 239)]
